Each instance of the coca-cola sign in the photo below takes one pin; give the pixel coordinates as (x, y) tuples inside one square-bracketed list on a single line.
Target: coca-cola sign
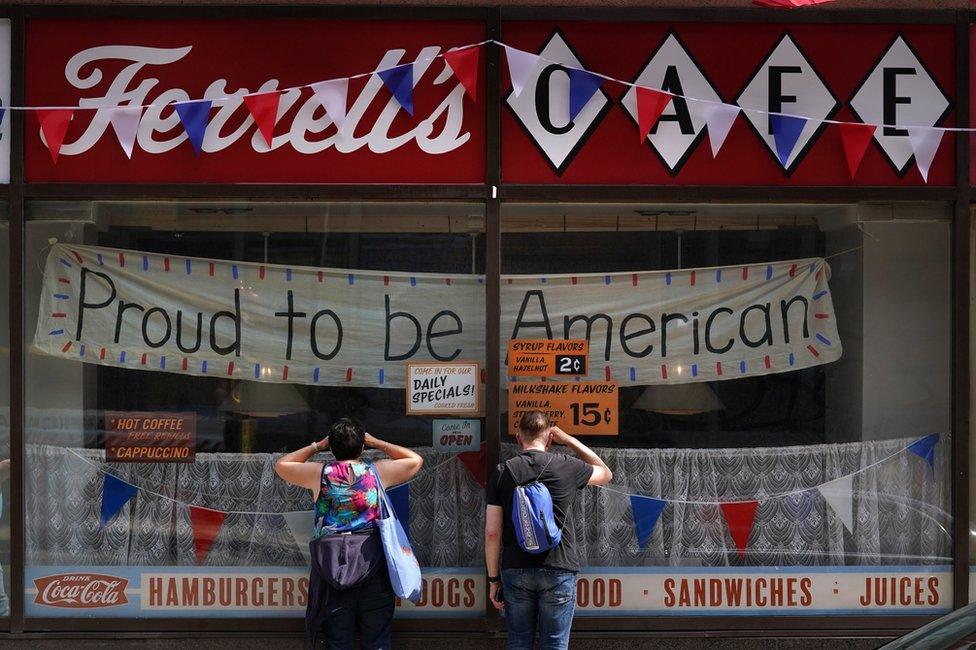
[(154, 63), (81, 590)]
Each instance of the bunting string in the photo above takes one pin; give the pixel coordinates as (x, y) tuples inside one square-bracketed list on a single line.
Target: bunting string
[(781, 495), (112, 477), (396, 71)]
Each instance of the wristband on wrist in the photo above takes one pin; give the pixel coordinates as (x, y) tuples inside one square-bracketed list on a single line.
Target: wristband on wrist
[(494, 578)]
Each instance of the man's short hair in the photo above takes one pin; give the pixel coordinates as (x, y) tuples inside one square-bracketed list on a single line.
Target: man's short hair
[(346, 439), (533, 424)]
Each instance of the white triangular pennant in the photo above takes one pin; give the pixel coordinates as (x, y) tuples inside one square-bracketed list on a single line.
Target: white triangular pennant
[(520, 66), (333, 94), (719, 119), (125, 123), (925, 142), (300, 527), (839, 495)]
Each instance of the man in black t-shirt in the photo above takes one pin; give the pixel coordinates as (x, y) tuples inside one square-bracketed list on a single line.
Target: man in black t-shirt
[(539, 589)]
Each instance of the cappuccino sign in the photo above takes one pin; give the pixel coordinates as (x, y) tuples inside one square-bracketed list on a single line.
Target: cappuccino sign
[(154, 63)]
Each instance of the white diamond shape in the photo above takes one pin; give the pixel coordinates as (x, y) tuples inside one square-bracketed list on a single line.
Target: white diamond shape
[(813, 98), (558, 148), (928, 104), (667, 138)]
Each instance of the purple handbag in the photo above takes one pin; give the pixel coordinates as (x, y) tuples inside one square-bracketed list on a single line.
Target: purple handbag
[(346, 560)]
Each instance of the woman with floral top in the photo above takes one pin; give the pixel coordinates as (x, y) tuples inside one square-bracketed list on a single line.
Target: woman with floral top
[(346, 501)]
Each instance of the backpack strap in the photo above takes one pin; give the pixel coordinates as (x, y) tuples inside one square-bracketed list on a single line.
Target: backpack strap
[(509, 468)]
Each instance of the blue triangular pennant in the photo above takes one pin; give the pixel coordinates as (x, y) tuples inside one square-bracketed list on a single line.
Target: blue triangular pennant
[(195, 116), (399, 80), (400, 500), (786, 131), (582, 86), (115, 494), (3, 111), (646, 513), (925, 448)]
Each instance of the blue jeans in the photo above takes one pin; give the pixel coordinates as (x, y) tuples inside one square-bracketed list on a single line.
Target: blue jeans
[(538, 599)]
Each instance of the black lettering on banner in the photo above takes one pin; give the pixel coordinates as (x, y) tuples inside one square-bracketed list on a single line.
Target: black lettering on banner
[(389, 319), (708, 332), (542, 107), (785, 311), (568, 326), (776, 96), (681, 115), (767, 336), (891, 98), (123, 306), (431, 334), (145, 327), (313, 337), (179, 332), (82, 305), (624, 337), (519, 323), (235, 315), (291, 315), (665, 319)]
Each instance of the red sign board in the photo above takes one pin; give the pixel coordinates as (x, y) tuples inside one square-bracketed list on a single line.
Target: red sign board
[(141, 62), (881, 74), (136, 437)]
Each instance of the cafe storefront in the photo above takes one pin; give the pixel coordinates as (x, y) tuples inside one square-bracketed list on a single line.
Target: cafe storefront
[(220, 233)]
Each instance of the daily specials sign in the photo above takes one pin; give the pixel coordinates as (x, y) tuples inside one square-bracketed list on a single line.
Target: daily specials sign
[(306, 325), (890, 75)]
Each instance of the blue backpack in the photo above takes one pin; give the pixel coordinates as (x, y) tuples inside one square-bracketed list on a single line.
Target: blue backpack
[(532, 516)]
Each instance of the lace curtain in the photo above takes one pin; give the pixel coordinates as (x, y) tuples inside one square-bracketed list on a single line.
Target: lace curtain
[(900, 509)]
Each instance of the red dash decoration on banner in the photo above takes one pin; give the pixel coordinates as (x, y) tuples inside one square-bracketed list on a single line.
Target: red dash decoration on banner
[(206, 526), (650, 104), (856, 138), (475, 462), (466, 64), (264, 110), (54, 125), (739, 516)]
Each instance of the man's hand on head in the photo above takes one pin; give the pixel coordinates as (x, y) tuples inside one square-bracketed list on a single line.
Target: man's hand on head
[(558, 436)]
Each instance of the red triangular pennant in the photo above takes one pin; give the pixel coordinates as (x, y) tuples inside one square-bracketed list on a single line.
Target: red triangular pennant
[(650, 104), (466, 64), (264, 110), (856, 138), (475, 462), (54, 126), (206, 526), (739, 515)]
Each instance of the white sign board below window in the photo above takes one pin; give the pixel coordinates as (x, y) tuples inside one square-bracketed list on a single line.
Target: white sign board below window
[(443, 388)]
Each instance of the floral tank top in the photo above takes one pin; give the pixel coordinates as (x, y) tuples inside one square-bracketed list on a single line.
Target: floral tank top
[(348, 499)]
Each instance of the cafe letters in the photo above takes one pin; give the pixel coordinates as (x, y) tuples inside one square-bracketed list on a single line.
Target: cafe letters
[(351, 327)]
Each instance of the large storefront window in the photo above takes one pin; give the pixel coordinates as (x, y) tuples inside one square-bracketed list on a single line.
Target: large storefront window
[(178, 349), (782, 439)]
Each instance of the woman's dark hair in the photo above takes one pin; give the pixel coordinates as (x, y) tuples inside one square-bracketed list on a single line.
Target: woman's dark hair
[(346, 439)]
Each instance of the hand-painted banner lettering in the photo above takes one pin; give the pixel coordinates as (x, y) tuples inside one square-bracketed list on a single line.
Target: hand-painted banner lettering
[(275, 323)]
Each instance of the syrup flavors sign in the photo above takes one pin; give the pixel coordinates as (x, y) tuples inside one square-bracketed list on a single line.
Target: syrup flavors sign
[(152, 63), (892, 76)]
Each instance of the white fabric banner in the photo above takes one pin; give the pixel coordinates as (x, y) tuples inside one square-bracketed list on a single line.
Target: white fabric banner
[(357, 328)]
